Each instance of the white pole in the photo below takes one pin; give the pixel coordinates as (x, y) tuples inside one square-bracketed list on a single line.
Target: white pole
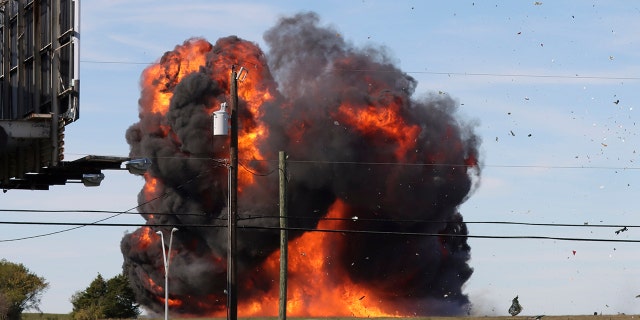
[(166, 262)]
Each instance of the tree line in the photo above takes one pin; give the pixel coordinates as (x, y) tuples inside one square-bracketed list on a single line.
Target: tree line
[(22, 290)]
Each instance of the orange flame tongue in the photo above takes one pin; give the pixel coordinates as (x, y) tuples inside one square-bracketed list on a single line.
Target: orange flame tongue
[(316, 287), (159, 78), (385, 120)]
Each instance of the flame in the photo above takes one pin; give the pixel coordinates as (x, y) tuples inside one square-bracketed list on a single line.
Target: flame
[(173, 303), (385, 120), (145, 237), (159, 291), (159, 78), (318, 284), (252, 132), (154, 286), (316, 287)]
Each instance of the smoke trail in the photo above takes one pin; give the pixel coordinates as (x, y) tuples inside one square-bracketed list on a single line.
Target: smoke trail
[(354, 134)]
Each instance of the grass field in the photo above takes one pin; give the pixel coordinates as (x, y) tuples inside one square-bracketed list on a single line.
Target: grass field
[(52, 316)]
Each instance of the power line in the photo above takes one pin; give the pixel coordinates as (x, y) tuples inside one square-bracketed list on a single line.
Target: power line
[(78, 226), (464, 74), (394, 233), (514, 75), (446, 234), (369, 163), (103, 211), (354, 219)]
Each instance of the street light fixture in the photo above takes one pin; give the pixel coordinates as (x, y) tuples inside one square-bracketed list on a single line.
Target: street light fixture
[(138, 166), (166, 256), (92, 179)]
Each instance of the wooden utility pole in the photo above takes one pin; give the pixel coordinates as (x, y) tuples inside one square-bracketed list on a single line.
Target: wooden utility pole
[(284, 252), (232, 220)]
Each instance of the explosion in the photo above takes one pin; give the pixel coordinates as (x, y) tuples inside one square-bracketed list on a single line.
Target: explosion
[(364, 155)]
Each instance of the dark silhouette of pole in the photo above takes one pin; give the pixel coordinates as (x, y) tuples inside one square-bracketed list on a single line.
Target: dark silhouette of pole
[(284, 252), (232, 220)]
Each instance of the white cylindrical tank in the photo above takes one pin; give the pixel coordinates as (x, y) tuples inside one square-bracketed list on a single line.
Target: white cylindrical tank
[(221, 121)]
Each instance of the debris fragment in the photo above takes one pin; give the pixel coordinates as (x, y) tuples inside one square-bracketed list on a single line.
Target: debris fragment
[(515, 308), (621, 230)]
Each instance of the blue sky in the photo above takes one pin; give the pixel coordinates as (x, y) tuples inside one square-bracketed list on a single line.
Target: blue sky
[(539, 79)]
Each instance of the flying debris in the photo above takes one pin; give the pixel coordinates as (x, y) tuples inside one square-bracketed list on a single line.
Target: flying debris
[(515, 308), (621, 230)]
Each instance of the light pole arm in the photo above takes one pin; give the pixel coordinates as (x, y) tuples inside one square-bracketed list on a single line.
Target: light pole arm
[(164, 255), (169, 253)]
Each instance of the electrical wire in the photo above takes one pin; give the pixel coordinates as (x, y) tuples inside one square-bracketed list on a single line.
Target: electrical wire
[(99, 211), (256, 173), (445, 221), (359, 219), (78, 226), (463, 74), (393, 233), (513, 166), (444, 234)]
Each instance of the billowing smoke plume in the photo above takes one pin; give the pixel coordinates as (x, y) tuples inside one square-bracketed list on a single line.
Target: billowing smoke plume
[(359, 146)]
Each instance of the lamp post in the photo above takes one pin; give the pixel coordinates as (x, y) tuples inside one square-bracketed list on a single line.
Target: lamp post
[(165, 259)]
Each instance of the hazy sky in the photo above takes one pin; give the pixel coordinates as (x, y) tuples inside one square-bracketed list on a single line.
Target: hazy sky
[(552, 87)]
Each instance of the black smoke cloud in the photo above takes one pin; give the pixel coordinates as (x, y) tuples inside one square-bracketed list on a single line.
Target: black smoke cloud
[(311, 71)]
